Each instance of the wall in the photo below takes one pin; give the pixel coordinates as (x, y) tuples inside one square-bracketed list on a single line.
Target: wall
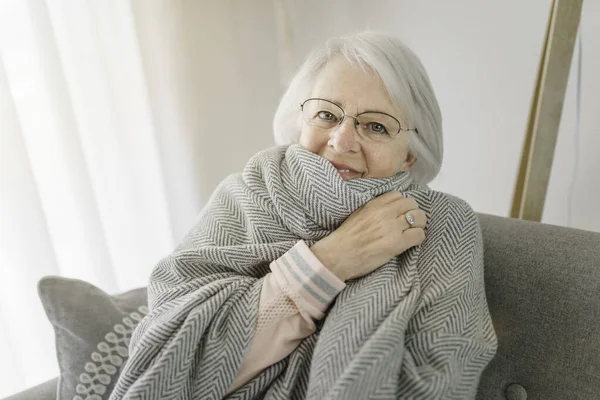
[(573, 196), (482, 59)]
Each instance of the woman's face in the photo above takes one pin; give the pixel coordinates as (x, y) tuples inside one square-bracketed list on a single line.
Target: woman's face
[(356, 91)]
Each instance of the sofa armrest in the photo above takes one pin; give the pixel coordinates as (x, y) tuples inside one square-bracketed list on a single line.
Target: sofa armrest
[(43, 391)]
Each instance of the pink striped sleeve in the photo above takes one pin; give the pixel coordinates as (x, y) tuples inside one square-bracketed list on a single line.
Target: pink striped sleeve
[(297, 291)]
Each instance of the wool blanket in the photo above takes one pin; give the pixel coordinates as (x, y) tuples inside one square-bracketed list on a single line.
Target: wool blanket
[(418, 327)]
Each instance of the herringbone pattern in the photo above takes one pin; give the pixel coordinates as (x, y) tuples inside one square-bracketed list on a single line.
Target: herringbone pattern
[(416, 328)]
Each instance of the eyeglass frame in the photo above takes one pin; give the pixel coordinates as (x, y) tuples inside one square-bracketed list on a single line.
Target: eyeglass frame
[(344, 115)]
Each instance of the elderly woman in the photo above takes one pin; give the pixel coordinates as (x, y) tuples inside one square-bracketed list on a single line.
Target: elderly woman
[(327, 268)]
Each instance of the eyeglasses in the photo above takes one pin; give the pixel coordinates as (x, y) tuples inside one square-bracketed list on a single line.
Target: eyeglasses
[(371, 125)]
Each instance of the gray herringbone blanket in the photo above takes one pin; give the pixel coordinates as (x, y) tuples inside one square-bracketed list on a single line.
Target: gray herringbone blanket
[(418, 327)]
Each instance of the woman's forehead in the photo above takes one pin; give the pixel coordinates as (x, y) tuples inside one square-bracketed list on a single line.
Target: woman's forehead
[(353, 88)]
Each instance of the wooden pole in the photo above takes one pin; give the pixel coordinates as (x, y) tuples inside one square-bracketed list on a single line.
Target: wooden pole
[(546, 109)]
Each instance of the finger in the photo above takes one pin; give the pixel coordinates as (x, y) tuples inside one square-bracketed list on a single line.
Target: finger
[(402, 206), (389, 197), (413, 237), (418, 215)]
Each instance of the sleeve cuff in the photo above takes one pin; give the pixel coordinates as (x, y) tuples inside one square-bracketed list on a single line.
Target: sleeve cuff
[(311, 283)]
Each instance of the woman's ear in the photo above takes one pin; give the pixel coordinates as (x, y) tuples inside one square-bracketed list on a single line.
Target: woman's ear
[(410, 161)]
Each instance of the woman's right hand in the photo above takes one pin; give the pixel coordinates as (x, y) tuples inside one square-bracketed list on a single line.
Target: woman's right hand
[(371, 236)]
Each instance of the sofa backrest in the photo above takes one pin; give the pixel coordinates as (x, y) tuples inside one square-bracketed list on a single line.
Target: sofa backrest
[(543, 289)]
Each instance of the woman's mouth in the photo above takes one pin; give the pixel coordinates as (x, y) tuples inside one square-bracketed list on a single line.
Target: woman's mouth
[(346, 172), (349, 174)]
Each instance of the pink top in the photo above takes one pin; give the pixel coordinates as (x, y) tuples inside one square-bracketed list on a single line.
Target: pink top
[(297, 291)]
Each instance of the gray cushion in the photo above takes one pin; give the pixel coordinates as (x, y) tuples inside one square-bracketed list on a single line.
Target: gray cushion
[(92, 331), (43, 391), (543, 291)]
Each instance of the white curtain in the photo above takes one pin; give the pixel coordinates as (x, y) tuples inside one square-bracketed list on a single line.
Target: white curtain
[(117, 120), (82, 184)]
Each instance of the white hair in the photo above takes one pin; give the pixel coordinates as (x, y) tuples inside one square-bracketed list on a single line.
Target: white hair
[(404, 78)]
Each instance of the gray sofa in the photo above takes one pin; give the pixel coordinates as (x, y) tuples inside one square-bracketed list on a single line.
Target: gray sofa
[(543, 290)]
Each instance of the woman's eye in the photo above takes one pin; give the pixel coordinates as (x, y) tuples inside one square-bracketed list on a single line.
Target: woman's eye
[(378, 128), (326, 115)]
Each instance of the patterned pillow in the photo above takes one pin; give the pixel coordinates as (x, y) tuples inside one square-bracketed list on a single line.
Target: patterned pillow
[(92, 331)]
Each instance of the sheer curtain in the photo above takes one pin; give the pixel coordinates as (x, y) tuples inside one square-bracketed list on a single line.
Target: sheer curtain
[(112, 137), (82, 183)]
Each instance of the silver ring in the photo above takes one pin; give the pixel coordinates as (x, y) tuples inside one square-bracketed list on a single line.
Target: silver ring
[(410, 219)]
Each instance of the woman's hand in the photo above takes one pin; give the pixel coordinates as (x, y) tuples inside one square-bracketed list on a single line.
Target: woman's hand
[(371, 236)]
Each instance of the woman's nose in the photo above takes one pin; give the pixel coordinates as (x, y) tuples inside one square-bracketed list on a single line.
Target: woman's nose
[(344, 137)]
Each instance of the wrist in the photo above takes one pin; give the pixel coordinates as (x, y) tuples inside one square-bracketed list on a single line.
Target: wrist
[(328, 257)]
